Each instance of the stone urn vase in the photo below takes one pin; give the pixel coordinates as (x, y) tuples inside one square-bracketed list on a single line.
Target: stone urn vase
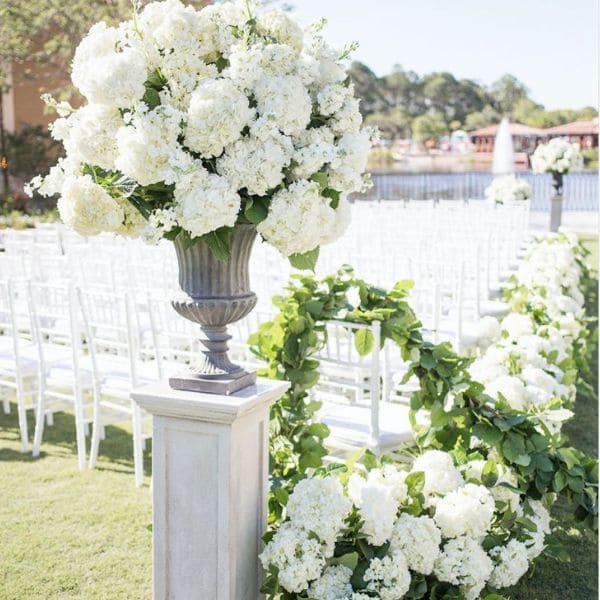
[(556, 201), (215, 293)]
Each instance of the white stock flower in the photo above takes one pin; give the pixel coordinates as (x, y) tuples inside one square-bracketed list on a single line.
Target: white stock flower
[(511, 563), (515, 325), (87, 208), (204, 202), (441, 476), (467, 511), (217, 114), (389, 576), (464, 562), (345, 175), (419, 540)]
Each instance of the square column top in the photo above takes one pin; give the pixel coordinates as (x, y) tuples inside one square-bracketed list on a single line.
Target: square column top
[(161, 399)]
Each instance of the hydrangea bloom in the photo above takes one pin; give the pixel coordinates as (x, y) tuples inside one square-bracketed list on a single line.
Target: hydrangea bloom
[(389, 577), (334, 584), (511, 563), (557, 156), (251, 98), (507, 189), (419, 540), (464, 562), (441, 476), (467, 511)]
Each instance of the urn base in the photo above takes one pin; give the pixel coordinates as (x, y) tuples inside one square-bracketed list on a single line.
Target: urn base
[(235, 382)]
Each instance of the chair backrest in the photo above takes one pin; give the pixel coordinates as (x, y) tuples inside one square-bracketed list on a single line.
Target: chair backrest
[(343, 366), (55, 318), (109, 327), (8, 321)]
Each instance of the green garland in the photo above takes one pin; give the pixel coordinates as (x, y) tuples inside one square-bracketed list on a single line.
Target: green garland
[(544, 464)]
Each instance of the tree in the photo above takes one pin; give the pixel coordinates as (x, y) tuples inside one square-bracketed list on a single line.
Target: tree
[(428, 127), (451, 99), (368, 88), (482, 118), (393, 123), (405, 89), (506, 93)]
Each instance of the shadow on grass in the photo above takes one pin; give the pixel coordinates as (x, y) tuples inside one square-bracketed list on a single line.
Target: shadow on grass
[(115, 450)]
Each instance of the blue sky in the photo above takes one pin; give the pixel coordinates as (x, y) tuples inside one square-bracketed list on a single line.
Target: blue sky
[(551, 45)]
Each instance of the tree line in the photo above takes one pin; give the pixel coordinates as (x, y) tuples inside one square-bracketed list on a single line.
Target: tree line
[(404, 104)]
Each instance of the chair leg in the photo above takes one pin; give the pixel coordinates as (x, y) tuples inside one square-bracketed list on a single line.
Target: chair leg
[(50, 419), (138, 445), (96, 429), (5, 403), (39, 418), (22, 412), (80, 428)]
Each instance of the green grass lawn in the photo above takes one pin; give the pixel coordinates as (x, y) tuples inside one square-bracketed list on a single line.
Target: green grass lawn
[(71, 534)]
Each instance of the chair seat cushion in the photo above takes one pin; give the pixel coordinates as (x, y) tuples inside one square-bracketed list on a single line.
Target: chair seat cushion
[(350, 425)]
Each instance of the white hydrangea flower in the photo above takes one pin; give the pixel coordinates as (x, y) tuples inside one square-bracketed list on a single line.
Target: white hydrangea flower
[(541, 518), (105, 74), (334, 584), (205, 201), (87, 208), (284, 102), (347, 119), (511, 388), (332, 97), (474, 470), (345, 175), (511, 563), (389, 576), (161, 221), (299, 218), (296, 555), (469, 510), (319, 505), (558, 156), (464, 562), (419, 540), (508, 188), (441, 476), (147, 146), (378, 497), (256, 165), (282, 28), (217, 114), (89, 134)]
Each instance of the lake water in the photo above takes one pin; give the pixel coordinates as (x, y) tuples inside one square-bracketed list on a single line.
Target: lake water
[(580, 190)]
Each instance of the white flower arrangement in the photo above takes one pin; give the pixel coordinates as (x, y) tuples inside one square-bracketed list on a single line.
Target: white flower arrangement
[(373, 536), (203, 119), (557, 156), (529, 365), (507, 189)]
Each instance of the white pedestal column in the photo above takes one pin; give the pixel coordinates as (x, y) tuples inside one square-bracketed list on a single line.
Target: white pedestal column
[(555, 212), (210, 484)]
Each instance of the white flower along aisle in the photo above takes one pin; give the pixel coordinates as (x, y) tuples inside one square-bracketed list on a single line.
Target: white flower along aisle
[(458, 523), (199, 120)]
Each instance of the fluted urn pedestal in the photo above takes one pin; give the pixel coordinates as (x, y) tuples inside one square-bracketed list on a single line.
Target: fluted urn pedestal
[(556, 201), (215, 293)]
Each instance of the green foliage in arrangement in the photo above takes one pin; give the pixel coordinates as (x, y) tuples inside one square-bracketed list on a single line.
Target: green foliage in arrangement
[(462, 415)]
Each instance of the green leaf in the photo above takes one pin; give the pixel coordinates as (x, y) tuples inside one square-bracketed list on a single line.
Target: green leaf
[(334, 196), (306, 261), (364, 341), (349, 560), (255, 211), (151, 98), (489, 475), (415, 482), (219, 242), (322, 179)]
